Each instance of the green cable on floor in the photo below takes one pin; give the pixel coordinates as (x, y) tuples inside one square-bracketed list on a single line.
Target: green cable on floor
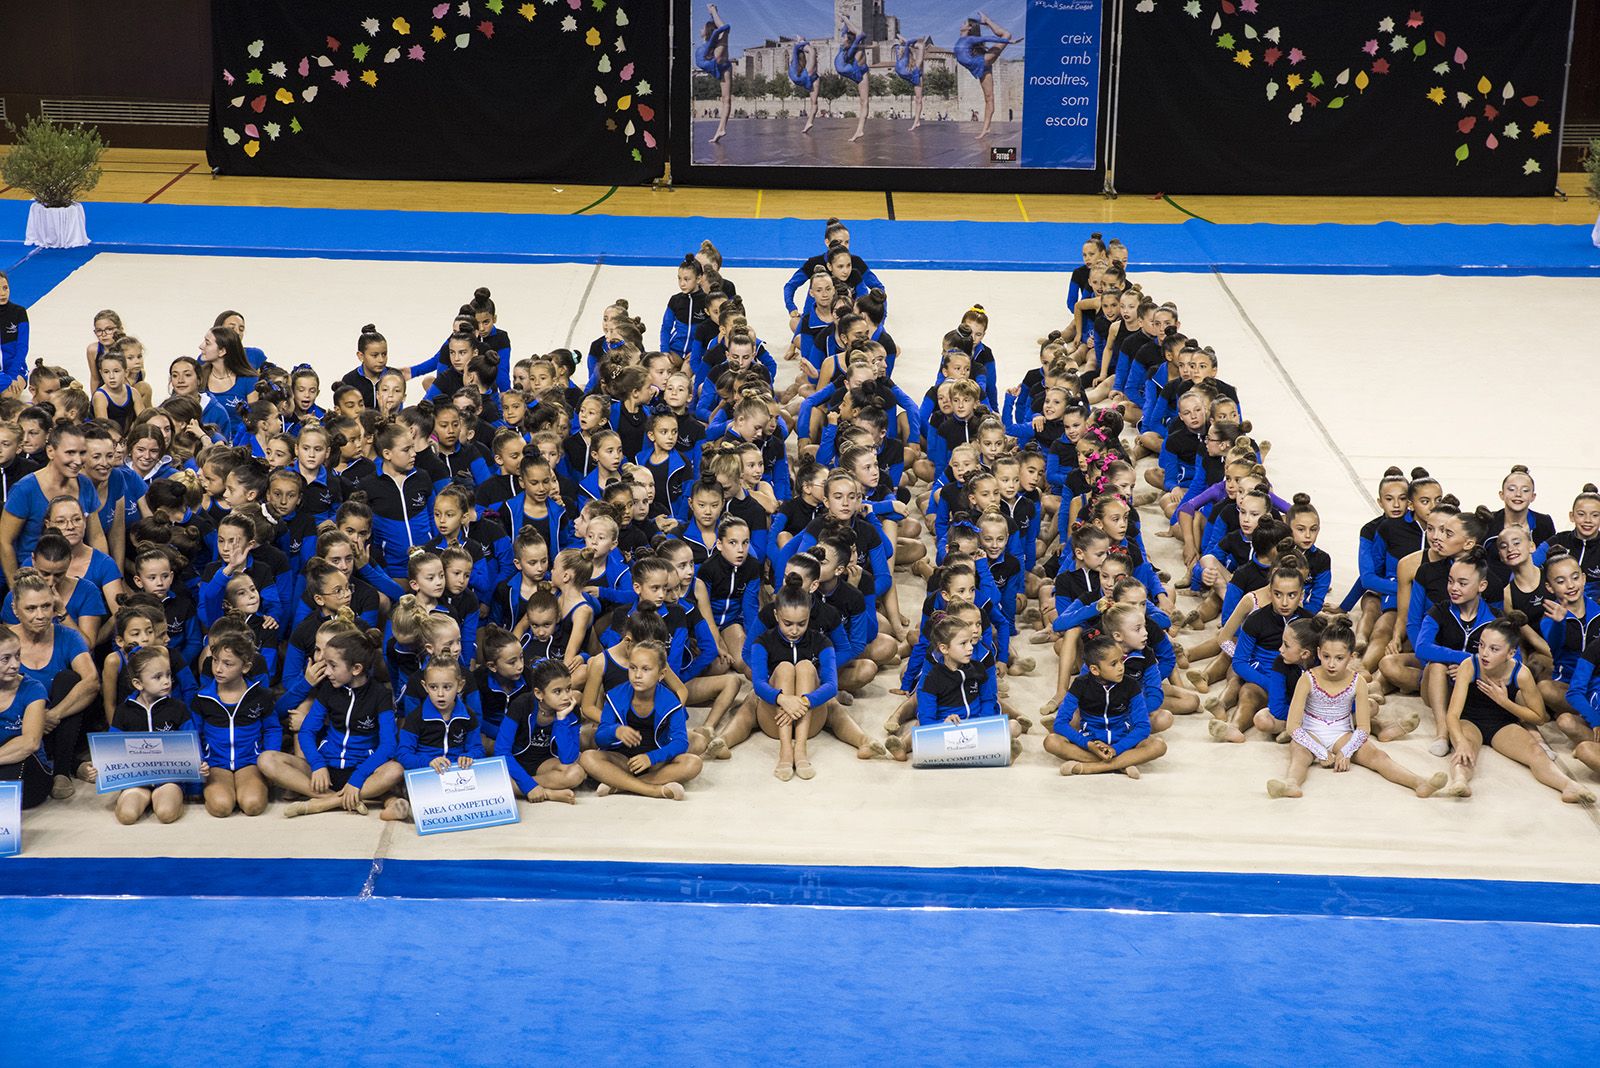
[(597, 203), (1185, 210)]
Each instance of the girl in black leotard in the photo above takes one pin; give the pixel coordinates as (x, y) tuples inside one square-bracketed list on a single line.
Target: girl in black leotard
[(1495, 701)]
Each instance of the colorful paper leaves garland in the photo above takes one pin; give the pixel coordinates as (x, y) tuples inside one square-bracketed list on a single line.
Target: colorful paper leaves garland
[(414, 37), (1247, 52)]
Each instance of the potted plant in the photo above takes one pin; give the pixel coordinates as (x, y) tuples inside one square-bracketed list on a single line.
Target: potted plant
[(58, 165), (1591, 164)]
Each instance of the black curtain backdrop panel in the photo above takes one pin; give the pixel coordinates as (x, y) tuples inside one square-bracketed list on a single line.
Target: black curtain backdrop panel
[(557, 90), (1342, 97)]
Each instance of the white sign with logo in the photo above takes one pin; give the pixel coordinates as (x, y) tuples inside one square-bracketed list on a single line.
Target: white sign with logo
[(126, 758), (10, 818), (984, 742), (461, 799)]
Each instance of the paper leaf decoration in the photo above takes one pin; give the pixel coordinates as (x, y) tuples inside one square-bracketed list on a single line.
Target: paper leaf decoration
[(360, 50), (1436, 94), (254, 49), (487, 29), (391, 55), (305, 67), (463, 39), (626, 74), (1296, 112), (599, 95), (273, 129), (415, 52), (592, 38), (251, 148), (342, 78), (227, 78), (527, 11), (1531, 167), (230, 135), (294, 126), (370, 77), (604, 66), (401, 26), (1511, 131), (371, 26), (258, 105), (252, 77), (1461, 154), (308, 94), (283, 96), (278, 69), (1272, 90), (624, 102), (1541, 128)]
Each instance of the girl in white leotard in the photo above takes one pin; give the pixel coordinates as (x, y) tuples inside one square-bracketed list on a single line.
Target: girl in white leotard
[(1329, 719)]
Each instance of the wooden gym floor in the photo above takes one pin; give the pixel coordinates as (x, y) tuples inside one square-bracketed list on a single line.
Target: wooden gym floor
[(182, 177)]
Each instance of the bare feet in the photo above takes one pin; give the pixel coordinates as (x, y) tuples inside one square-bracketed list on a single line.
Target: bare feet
[(1456, 788), (804, 770), (1069, 767), (1131, 771), (604, 790), (1432, 784), (845, 698), (673, 791), (1280, 788), (719, 135), (566, 797), (784, 771), (295, 808), (717, 748), (896, 746), (1439, 747), (868, 750)]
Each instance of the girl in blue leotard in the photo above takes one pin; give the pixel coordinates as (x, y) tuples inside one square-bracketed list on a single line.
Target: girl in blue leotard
[(711, 56), (803, 72), (973, 52), (226, 375), (908, 58), (851, 62)]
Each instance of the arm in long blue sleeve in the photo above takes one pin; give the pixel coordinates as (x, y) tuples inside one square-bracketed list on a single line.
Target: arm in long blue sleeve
[(707, 644), (1150, 686), (669, 324), (1063, 724), (379, 580), (913, 414), (1374, 557), (1317, 592), (927, 708), (807, 406), (309, 727), (211, 591), (1244, 655), (827, 679), (504, 739), (760, 675), (1139, 713), (14, 357), (1417, 610), (564, 738), (677, 734), (989, 695), (408, 750), (862, 629), (882, 573), (792, 286), (271, 733), (1578, 692), (380, 755), (1071, 612), (911, 677)]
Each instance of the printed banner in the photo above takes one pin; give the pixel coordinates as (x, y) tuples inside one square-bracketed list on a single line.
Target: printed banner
[(122, 759), (973, 743), (893, 84), (1366, 97), (1061, 95), (484, 90), (10, 818), (462, 798)]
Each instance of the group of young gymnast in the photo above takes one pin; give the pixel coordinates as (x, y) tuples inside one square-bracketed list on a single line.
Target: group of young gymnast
[(978, 46), (555, 557)]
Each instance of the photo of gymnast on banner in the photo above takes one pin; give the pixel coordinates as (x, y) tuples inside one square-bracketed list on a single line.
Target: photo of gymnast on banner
[(941, 84)]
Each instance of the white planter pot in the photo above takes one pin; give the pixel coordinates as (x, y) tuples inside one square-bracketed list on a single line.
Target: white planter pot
[(56, 227)]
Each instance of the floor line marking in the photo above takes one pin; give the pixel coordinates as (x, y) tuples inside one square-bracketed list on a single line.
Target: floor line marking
[(1021, 208), (379, 855), (1293, 388), (175, 180), (888, 200), (583, 302), (759, 194)]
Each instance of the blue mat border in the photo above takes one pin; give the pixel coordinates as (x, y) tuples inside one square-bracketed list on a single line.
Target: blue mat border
[(777, 884), (1190, 246)]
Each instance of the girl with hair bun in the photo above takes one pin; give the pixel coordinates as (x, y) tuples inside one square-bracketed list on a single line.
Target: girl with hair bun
[(1329, 721), (1494, 703), (685, 308)]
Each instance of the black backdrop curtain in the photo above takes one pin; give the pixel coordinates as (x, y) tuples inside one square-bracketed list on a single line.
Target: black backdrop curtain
[(472, 89), (1341, 97)]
